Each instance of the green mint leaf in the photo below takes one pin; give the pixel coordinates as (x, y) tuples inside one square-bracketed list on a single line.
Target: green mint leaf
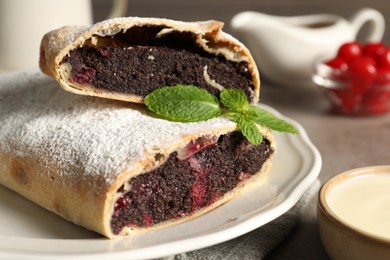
[(186, 103), (183, 103), (233, 98), (271, 121), (249, 130)]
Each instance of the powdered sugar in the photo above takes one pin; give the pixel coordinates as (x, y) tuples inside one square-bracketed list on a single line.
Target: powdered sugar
[(77, 134)]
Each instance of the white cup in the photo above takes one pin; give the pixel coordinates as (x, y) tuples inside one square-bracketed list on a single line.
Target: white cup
[(24, 22)]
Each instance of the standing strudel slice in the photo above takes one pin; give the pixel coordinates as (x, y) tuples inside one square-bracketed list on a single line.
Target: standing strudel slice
[(127, 58)]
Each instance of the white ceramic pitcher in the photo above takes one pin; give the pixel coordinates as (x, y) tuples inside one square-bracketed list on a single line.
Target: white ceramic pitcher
[(285, 48), (24, 22)]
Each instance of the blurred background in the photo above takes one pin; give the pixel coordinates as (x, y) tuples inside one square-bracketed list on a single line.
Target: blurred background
[(224, 10), (15, 14)]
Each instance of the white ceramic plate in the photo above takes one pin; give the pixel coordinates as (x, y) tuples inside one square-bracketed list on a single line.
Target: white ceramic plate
[(26, 230)]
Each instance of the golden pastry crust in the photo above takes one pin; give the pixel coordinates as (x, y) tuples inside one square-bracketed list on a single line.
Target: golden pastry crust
[(70, 153), (57, 44)]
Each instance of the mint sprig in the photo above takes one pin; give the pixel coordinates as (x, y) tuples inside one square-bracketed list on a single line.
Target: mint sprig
[(187, 103), (183, 103)]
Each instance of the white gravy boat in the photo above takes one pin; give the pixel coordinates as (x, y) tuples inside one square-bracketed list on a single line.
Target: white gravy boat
[(285, 48)]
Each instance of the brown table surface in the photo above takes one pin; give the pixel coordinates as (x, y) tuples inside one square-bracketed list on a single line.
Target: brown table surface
[(344, 142)]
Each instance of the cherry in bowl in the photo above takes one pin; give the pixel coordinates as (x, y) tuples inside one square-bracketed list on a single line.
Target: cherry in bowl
[(357, 79)]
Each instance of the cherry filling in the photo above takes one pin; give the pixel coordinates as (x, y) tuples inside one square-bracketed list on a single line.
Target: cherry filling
[(181, 186), (135, 66)]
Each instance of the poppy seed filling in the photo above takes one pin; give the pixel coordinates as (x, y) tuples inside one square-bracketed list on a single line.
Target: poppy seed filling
[(139, 62), (179, 187)]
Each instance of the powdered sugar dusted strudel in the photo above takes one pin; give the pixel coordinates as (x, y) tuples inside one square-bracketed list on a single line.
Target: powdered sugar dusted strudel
[(111, 167), (127, 58)]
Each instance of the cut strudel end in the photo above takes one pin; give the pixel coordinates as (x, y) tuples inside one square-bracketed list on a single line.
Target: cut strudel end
[(127, 58), (111, 167)]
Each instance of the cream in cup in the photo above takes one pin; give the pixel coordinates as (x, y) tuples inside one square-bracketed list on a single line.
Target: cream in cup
[(364, 202), (354, 214)]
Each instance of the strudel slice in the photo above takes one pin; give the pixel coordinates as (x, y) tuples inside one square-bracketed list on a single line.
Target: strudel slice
[(113, 168), (127, 58)]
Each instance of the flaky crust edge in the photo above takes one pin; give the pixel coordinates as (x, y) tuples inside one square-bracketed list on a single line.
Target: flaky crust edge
[(55, 45)]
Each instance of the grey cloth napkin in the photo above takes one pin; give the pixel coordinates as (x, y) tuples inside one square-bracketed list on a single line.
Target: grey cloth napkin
[(257, 243)]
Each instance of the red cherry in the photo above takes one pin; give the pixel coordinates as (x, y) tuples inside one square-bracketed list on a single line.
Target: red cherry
[(384, 59), (148, 220), (373, 49), (349, 51), (361, 73), (345, 100), (382, 77), (337, 63)]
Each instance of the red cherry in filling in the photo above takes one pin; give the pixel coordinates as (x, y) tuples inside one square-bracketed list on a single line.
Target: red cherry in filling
[(199, 192), (122, 203), (147, 221), (349, 51)]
